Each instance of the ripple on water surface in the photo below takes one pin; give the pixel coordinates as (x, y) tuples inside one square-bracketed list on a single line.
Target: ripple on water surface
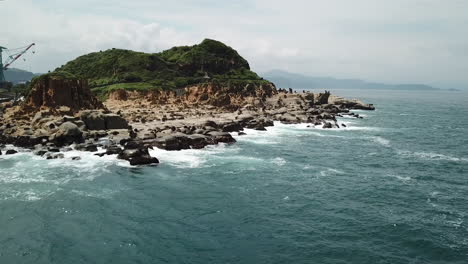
[(366, 193)]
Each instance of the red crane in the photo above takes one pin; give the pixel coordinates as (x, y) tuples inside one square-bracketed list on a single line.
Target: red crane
[(14, 57)]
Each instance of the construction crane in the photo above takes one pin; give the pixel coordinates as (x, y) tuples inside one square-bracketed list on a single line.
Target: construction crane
[(15, 54)]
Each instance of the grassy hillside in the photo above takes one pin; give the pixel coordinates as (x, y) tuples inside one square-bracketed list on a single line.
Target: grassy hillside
[(170, 69)]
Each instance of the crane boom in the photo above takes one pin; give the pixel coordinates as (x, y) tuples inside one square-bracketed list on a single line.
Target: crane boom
[(17, 56)]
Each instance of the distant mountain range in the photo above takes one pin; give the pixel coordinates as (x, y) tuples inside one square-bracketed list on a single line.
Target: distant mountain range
[(283, 79), (16, 75)]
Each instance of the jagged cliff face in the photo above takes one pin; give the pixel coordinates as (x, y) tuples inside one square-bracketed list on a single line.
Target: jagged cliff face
[(229, 95), (50, 93), (219, 95)]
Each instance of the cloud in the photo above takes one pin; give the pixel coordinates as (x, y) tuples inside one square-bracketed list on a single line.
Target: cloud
[(420, 41), (60, 37)]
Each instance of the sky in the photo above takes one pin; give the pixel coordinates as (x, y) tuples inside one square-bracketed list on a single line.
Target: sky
[(393, 41)]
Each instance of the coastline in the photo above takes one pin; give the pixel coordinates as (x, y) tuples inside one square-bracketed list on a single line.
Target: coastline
[(130, 125)]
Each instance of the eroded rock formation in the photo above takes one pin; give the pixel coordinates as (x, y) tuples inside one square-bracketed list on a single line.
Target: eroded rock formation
[(59, 111), (231, 95), (52, 93)]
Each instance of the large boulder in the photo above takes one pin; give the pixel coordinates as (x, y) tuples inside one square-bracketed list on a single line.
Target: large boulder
[(232, 127), (90, 147), (139, 156), (97, 120), (67, 133), (176, 141), (222, 137), (94, 120), (114, 121), (198, 141), (69, 129)]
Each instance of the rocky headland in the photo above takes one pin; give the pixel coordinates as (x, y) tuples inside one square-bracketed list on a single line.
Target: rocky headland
[(209, 98)]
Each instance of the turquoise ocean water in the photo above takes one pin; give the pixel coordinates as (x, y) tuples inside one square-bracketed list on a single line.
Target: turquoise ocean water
[(390, 188)]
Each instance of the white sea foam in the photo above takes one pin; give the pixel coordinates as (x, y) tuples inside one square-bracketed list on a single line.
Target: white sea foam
[(279, 161), (330, 172), (350, 125), (268, 137), (102, 193), (193, 158), (307, 167), (401, 178), (27, 177), (325, 135), (347, 117), (273, 135), (281, 132), (457, 223), (382, 141), (358, 128), (24, 194), (432, 156), (407, 114), (26, 168)]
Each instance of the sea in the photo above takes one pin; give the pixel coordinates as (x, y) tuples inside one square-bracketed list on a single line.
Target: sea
[(389, 188)]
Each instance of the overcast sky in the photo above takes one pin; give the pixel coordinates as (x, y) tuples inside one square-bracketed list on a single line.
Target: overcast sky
[(394, 41)]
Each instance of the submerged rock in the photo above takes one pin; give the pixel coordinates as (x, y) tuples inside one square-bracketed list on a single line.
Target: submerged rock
[(327, 125), (50, 155), (139, 156), (10, 152), (90, 147), (222, 137)]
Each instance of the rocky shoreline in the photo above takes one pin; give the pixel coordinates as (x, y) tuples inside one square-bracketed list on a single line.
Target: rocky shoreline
[(62, 115)]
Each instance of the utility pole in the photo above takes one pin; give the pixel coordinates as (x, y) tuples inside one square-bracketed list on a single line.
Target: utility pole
[(2, 76)]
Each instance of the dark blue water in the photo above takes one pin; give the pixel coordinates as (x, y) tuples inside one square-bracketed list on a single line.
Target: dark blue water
[(391, 188)]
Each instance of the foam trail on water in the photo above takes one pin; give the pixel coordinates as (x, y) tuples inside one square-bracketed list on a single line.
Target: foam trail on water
[(279, 161), (192, 158), (28, 177), (382, 141), (401, 178), (432, 156), (330, 172)]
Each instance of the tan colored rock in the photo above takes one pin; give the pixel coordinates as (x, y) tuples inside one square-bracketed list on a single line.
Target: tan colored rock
[(63, 96), (119, 95)]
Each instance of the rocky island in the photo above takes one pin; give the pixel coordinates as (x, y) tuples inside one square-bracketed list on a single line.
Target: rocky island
[(121, 102)]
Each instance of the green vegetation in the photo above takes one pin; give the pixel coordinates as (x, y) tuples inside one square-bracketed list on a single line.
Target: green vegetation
[(10, 90), (21, 89), (56, 75), (174, 68)]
